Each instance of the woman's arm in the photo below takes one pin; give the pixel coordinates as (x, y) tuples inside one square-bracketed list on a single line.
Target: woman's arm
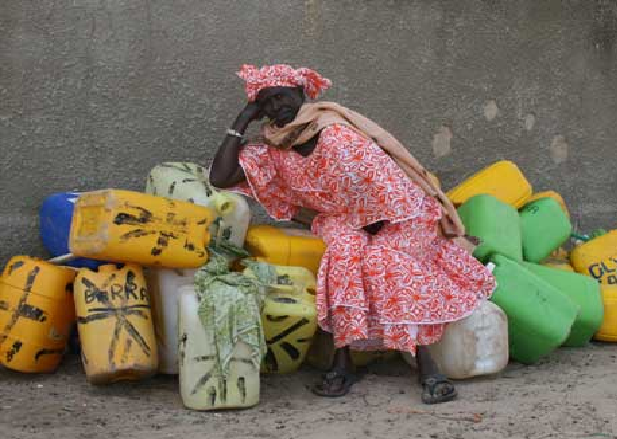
[(226, 170)]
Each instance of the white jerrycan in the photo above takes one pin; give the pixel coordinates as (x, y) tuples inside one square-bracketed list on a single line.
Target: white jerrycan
[(189, 182)]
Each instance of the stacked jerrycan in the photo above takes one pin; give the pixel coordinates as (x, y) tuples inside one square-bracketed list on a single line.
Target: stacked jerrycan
[(55, 217), (597, 259), (289, 318), (188, 182), (36, 314)]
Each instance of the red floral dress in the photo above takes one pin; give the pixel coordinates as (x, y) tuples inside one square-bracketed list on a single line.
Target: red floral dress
[(393, 290)]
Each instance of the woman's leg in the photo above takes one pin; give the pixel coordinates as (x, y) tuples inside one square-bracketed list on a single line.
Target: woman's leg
[(436, 388), (341, 376)]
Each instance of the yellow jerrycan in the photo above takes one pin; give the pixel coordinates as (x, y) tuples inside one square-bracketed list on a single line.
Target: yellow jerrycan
[(115, 324), (597, 258), (289, 318), (503, 180), (287, 247), (124, 226), (608, 330), (36, 314)]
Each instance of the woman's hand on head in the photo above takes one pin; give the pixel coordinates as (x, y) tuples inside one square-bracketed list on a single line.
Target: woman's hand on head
[(251, 112)]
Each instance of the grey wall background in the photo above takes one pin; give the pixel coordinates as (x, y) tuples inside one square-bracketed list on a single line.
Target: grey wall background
[(93, 93)]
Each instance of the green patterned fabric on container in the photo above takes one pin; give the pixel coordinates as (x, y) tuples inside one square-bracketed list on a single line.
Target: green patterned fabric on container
[(230, 306)]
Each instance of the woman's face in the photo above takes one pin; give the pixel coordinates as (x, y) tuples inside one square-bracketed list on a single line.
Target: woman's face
[(281, 104)]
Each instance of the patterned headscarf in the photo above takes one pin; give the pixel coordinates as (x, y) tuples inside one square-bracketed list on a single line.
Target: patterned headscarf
[(282, 75)]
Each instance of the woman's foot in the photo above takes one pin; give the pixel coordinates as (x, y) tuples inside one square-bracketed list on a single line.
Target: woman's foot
[(436, 388), (339, 379)]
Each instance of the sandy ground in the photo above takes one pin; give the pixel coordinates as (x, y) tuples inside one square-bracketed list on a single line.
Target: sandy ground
[(571, 394)]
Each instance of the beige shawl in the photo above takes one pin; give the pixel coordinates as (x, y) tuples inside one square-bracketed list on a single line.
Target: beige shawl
[(313, 117)]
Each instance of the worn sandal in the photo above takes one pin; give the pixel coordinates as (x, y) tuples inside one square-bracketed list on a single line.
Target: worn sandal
[(431, 383), (330, 380)]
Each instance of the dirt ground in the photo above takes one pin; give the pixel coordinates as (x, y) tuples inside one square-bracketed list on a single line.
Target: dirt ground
[(571, 394)]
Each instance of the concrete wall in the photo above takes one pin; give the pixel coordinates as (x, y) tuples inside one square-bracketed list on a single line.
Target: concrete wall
[(95, 93)]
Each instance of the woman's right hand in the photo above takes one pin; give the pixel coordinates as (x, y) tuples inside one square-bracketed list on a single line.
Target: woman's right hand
[(251, 112)]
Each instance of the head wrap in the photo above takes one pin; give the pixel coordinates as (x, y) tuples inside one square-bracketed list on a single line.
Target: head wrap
[(282, 75)]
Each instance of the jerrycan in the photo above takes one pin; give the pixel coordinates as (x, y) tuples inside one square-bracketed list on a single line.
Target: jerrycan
[(288, 247), (164, 286), (36, 314), (475, 345), (544, 227), (608, 329), (55, 217), (584, 292), (497, 224), (321, 353), (201, 388), (550, 194), (597, 258), (115, 324), (539, 315), (503, 180), (289, 318), (124, 226), (189, 182)]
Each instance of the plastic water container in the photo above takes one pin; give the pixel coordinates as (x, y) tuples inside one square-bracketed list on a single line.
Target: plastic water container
[(584, 292), (321, 353), (475, 345), (608, 329), (164, 285), (544, 227), (200, 386), (36, 314), (550, 194), (55, 216), (496, 223), (597, 258), (503, 180), (289, 318), (115, 324), (288, 247), (539, 315), (189, 182), (124, 226)]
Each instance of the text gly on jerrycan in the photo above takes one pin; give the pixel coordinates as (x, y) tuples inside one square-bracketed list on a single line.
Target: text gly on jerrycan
[(200, 387), (189, 182), (124, 226), (36, 314), (115, 324), (164, 286), (475, 345), (597, 258)]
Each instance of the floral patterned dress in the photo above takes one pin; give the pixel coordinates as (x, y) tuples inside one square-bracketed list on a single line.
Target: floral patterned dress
[(393, 290)]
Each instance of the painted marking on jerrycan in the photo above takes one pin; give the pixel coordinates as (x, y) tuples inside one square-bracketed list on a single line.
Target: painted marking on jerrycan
[(605, 271)]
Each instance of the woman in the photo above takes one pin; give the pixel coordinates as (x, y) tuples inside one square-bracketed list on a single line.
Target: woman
[(395, 270)]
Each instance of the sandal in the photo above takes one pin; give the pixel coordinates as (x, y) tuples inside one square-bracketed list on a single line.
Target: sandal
[(431, 383), (338, 379)]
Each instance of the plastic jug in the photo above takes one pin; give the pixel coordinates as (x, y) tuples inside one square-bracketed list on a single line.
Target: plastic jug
[(503, 179), (539, 315), (584, 292), (289, 318), (475, 345), (36, 314), (200, 387), (289, 247), (558, 265), (125, 226), (608, 329), (597, 258), (544, 227), (55, 216), (164, 286), (115, 324), (189, 182), (496, 223), (550, 194)]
